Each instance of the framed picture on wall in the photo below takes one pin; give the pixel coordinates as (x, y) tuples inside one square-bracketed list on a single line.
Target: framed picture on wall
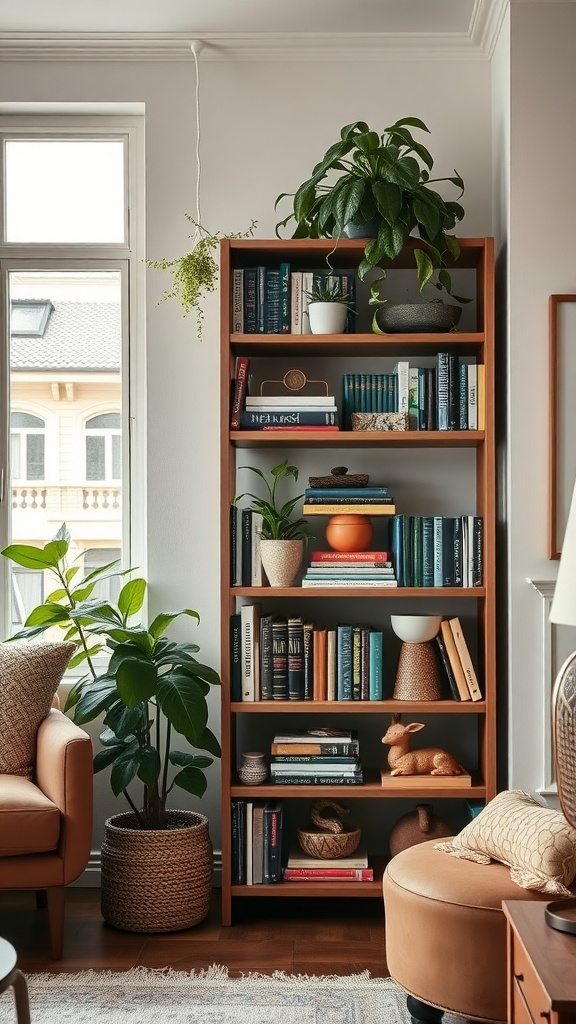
[(562, 435)]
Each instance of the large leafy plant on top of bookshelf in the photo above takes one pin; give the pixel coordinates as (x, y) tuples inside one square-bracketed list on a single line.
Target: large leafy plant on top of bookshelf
[(381, 184)]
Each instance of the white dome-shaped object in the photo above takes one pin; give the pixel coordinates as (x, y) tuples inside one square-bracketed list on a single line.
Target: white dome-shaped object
[(416, 629)]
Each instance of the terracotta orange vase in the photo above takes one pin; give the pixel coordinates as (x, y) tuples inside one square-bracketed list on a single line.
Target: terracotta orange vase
[(349, 532)]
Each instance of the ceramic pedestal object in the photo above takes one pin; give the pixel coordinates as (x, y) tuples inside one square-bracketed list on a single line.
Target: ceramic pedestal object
[(253, 770), (327, 317), (281, 560), (417, 675)]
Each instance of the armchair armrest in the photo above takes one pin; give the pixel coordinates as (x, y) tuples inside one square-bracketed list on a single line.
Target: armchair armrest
[(64, 774)]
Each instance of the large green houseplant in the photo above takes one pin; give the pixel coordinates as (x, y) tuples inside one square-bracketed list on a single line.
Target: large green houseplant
[(151, 688), (282, 536), (381, 181)]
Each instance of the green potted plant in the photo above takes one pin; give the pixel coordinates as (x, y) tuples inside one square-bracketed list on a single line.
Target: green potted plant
[(151, 688), (380, 185), (281, 536), (328, 306), (196, 272)]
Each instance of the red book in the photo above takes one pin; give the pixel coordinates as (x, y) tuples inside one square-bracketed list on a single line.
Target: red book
[(350, 556), (241, 373), (328, 874)]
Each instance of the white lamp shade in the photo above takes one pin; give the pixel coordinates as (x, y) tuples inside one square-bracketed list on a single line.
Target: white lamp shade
[(563, 608)]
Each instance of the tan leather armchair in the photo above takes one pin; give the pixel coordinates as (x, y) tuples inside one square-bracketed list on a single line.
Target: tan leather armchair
[(46, 824)]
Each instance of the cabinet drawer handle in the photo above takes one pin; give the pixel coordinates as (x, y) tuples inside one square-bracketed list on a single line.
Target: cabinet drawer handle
[(520, 978)]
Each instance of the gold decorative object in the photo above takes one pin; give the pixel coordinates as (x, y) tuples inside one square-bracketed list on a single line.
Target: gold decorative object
[(295, 380), (331, 838)]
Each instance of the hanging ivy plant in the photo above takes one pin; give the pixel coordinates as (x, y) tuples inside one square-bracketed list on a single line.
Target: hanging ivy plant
[(196, 272)]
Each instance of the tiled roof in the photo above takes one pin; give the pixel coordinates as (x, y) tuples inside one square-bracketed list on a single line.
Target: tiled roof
[(79, 336)]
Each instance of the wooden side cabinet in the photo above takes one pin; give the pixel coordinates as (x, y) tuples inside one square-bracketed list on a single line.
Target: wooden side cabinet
[(541, 967)]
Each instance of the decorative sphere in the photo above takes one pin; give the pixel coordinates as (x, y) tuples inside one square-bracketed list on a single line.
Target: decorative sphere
[(349, 532)]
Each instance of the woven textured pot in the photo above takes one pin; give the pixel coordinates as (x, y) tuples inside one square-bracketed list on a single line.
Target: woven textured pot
[(418, 317), (156, 880), (281, 560)]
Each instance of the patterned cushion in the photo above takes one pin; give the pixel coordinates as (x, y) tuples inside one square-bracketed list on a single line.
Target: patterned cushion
[(536, 842), (29, 677)]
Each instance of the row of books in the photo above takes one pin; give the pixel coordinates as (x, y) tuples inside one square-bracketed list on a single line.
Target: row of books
[(274, 300), (449, 396), (324, 757), (329, 501), (275, 657), (457, 661), (256, 842), (257, 845), (436, 551)]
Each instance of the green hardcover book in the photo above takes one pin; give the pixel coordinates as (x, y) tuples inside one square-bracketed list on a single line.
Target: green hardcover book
[(417, 551)]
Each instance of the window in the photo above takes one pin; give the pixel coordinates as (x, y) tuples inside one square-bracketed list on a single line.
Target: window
[(103, 447), (27, 446), (71, 268), (95, 558)]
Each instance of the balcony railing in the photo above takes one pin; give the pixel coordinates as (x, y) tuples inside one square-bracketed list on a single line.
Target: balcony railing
[(68, 501)]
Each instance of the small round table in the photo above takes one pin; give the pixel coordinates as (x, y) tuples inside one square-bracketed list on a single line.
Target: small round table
[(11, 976)]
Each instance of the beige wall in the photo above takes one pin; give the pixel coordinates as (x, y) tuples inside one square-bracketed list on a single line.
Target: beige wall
[(264, 125)]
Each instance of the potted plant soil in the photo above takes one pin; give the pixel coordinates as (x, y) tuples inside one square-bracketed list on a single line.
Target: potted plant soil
[(156, 861)]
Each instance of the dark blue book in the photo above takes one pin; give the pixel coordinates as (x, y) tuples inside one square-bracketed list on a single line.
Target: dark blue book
[(272, 828), (453, 392), (235, 657), (295, 418), (295, 658), (458, 552), (260, 300), (427, 551), (442, 391), (246, 547), (280, 659), (238, 811), (285, 298), (233, 544), (329, 493), (417, 551), (396, 548), (250, 275), (448, 551), (272, 302)]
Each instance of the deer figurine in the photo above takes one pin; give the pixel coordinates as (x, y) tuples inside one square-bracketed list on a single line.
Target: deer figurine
[(425, 761)]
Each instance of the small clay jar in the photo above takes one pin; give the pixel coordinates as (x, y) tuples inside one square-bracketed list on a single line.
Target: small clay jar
[(349, 532), (253, 770), (416, 827)]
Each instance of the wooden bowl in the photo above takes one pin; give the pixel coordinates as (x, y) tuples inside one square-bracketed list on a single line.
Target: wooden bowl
[(328, 845)]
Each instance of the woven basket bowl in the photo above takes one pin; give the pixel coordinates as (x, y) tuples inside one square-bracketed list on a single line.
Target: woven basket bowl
[(156, 880), (329, 845)]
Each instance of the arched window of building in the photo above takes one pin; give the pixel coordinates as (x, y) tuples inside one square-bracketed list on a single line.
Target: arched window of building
[(103, 446), (28, 445)]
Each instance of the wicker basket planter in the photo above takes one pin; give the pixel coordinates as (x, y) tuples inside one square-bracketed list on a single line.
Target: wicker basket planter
[(156, 880)]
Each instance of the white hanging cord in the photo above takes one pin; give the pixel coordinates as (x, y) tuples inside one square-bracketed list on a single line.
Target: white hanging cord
[(196, 47)]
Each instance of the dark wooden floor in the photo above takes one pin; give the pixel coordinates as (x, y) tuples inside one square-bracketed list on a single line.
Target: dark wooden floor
[(298, 936)]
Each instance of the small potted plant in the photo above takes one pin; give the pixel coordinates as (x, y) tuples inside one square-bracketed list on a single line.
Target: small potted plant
[(379, 187), (282, 538), (196, 272), (156, 862), (328, 306)]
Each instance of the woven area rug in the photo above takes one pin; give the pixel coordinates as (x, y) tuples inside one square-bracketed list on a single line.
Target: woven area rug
[(143, 996)]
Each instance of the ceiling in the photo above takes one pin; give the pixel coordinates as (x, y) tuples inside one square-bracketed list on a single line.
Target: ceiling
[(457, 26)]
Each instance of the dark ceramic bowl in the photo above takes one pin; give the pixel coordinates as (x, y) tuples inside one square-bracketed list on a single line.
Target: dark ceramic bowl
[(418, 317)]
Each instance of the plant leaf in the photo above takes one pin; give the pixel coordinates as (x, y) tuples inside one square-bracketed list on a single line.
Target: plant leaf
[(131, 597), (183, 703), (162, 621), (177, 757), (30, 557), (192, 780), (136, 680)]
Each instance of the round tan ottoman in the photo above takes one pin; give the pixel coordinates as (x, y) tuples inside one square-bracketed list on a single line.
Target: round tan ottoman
[(446, 932)]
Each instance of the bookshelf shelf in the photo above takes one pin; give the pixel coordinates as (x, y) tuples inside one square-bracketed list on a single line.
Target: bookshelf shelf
[(435, 472)]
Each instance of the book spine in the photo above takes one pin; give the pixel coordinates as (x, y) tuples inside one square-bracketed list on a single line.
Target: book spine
[(328, 874), (463, 398), (417, 550), (477, 551), (458, 552), (285, 298), (349, 749), (250, 619), (447, 551), (320, 685), (395, 543), (257, 844), (273, 844), (348, 509), (346, 492), (344, 662), (401, 372), (253, 420), (431, 414), (427, 551), (241, 372), (348, 501), (442, 390), (238, 301), (249, 842), (233, 543), (455, 662), (331, 664), (450, 678), (422, 399), (296, 302), (413, 405), (319, 780), (351, 556), (356, 662), (314, 759), (236, 657), (246, 542), (260, 300), (453, 392), (256, 572), (250, 300), (295, 659), (438, 553), (272, 305), (376, 655), (472, 398), (465, 659), (238, 811), (280, 659), (266, 657), (307, 280)]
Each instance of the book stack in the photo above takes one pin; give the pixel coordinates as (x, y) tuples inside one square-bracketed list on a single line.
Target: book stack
[(350, 568), (457, 661), (316, 757), (289, 412), (302, 868), (328, 501), (256, 842), (436, 551), (261, 300)]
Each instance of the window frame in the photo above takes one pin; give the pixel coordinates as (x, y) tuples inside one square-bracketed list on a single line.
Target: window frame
[(23, 433), (128, 259)]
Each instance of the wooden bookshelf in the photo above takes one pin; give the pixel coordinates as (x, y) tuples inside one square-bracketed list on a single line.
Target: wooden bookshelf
[(477, 606)]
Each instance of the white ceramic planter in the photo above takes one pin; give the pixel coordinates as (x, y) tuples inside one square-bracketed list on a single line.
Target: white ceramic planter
[(327, 317), (281, 560)]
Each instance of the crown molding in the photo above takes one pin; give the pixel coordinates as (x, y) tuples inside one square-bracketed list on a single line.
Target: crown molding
[(264, 46)]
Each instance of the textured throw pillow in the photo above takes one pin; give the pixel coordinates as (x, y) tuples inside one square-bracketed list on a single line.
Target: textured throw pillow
[(535, 842), (29, 676)]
